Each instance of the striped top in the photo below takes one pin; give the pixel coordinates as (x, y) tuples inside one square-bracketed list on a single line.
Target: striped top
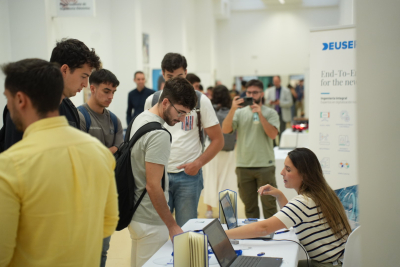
[(314, 234)]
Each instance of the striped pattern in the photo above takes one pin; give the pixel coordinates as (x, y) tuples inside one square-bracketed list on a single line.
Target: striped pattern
[(315, 234)]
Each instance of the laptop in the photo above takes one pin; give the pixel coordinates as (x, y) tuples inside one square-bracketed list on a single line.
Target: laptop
[(225, 253), (230, 217)]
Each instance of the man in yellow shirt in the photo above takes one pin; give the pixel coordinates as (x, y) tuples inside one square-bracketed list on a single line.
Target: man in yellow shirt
[(58, 197)]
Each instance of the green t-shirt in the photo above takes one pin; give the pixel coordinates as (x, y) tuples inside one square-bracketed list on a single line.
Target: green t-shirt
[(254, 147)]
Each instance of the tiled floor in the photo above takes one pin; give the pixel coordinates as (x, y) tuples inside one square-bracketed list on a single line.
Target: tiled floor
[(119, 254)]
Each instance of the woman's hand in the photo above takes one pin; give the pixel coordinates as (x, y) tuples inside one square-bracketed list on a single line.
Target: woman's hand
[(269, 190)]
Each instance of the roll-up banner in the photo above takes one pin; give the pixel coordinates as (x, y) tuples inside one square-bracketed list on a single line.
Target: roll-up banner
[(333, 104)]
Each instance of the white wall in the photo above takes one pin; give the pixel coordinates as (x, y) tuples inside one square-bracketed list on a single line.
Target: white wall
[(346, 12), (268, 42), (5, 50), (378, 94), (30, 30)]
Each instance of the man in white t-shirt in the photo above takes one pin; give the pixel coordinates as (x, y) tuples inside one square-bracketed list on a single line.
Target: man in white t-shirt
[(187, 159)]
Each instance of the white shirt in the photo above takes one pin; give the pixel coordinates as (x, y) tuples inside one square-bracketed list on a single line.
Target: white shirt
[(186, 146)]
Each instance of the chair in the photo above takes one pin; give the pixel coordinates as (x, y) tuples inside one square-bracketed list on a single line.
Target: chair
[(352, 252)]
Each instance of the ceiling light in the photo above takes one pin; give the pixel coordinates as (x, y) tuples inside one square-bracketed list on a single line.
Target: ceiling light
[(282, 1)]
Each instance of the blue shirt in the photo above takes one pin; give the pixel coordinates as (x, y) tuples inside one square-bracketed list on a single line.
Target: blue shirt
[(300, 92), (136, 101)]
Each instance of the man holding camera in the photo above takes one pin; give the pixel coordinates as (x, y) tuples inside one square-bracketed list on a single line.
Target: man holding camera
[(257, 125)]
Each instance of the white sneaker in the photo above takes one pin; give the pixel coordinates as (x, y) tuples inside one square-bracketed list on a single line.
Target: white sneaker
[(209, 214)]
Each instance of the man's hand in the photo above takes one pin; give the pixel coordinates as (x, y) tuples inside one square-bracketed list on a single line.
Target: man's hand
[(174, 230), (236, 102), (276, 102), (191, 168), (113, 149), (256, 108)]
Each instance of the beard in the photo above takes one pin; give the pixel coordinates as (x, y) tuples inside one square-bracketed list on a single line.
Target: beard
[(258, 101), (168, 118), (16, 120)]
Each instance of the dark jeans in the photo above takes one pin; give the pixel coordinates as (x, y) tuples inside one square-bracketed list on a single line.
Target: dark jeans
[(249, 180)]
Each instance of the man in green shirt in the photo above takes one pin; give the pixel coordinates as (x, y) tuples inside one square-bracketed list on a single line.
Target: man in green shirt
[(257, 126)]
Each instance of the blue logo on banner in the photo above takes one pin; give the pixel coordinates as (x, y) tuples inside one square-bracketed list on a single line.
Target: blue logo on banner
[(339, 45)]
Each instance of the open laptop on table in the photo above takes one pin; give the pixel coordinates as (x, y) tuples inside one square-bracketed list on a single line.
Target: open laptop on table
[(225, 253), (230, 217)]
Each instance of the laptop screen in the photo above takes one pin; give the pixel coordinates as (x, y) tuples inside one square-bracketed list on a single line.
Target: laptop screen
[(227, 209), (220, 243)]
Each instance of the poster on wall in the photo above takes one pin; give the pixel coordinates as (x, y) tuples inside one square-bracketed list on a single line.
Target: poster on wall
[(146, 57), (75, 8), (158, 80), (333, 104)]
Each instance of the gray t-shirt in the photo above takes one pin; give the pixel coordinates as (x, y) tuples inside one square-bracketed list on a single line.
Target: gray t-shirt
[(102, 127), (153, 147)]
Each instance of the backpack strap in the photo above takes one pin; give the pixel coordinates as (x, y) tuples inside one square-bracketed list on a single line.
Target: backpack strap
[(151, 126), (201, 132), (3, 130), (74, 111), (114, 119), (156, 96), (85, 114)]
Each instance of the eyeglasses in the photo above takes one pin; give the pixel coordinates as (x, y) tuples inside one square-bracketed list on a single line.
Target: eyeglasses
[(253, 92), (180, 113)]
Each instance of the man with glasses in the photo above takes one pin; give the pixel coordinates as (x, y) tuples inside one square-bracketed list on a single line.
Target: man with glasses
[(152, 222), (255, 161), (187, 156)]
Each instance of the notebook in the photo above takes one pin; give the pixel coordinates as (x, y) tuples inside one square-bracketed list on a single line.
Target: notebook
[(230, 216), (225, 253)]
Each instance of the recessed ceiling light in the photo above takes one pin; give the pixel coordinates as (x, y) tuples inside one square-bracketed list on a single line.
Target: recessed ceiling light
[(282, 1)]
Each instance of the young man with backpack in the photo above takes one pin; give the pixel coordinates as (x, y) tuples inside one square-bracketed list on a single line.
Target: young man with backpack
[(76, 62), (152, 221), (101, 123), (187, 156)]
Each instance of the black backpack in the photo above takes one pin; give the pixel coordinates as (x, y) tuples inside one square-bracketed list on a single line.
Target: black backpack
[(124, 177)]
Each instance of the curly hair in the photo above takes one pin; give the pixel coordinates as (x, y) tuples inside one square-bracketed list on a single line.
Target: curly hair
[(173, 61), (221, 97), (179, 90), (75, 54)]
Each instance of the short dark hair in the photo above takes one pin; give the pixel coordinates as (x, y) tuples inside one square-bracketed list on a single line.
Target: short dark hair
[(243, 83), (75, 54), (173, 61), (256, 83), (103, 76), (221, 96), (178, 90), (193, 78), (138, 72), (201, 87), (39, 79)]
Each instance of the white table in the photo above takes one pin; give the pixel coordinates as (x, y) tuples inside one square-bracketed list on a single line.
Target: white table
[(289, 251), (290, 139)]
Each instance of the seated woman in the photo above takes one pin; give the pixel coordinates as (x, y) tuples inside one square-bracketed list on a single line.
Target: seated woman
[(316, 214)]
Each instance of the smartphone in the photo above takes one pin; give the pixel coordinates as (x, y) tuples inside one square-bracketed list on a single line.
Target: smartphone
[(248, 101)]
